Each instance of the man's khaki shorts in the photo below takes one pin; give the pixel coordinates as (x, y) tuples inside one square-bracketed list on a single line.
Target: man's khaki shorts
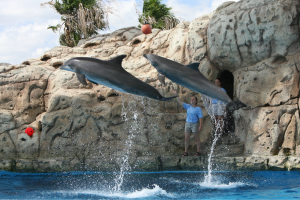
[(191, 127)]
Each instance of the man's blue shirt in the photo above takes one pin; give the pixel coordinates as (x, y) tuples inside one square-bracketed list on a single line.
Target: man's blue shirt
[(193, 113)]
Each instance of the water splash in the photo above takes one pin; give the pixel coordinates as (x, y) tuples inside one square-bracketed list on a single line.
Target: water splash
[(146, 192), (152, 192), (217, 130), (130, 113), (218, 185)]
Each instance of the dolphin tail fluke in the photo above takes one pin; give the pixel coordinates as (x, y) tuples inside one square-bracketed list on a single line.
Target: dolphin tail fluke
[(235, 105), (167, 98)]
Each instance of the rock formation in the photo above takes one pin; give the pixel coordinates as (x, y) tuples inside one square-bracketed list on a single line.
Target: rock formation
[(94, 127)]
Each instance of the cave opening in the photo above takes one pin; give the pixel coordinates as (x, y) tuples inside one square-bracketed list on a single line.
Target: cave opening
[(227, 82)]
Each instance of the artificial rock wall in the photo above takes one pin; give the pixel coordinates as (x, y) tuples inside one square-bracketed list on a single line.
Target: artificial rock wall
[(95, 128)]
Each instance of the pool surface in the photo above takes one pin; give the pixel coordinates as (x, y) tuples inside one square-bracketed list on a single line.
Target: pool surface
[(151, 185)]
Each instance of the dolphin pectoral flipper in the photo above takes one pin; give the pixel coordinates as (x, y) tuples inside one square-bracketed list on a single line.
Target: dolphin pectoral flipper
[(118, 59), (194, 66), (161, 78), (81, 78)]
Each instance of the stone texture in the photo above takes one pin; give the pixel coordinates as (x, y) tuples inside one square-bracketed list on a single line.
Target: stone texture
[(247, 32), (273, 81), (273, 130)]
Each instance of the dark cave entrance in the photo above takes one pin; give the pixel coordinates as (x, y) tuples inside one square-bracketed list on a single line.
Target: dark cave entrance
[(227, 82)]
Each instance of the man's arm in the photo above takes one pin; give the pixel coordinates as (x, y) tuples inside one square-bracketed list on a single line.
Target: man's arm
[(177, 98)]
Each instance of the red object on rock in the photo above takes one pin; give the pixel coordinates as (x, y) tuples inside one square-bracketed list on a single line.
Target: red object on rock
[(146, 28), (29, 131)]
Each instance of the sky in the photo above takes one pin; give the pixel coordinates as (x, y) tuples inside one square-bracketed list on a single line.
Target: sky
[(23, 24)]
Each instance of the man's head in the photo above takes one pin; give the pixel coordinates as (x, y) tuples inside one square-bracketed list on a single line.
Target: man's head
[(194, 100), (218, 82)]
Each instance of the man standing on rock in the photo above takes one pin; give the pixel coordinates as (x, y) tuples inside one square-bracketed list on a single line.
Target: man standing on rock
[(194, 120), (218, 109)]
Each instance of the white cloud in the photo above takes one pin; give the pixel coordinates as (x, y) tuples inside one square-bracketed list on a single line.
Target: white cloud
[(190, 10), (23, 29), (125, 15), (17, 12), (19, 43)]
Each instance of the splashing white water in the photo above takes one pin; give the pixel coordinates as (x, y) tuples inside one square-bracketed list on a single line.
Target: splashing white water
[(218, 185), (149, 193), (143, 193), (130, 114), (217, 133)]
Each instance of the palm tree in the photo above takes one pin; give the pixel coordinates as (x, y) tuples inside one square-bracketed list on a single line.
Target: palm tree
[(80, 19), (158, 15)]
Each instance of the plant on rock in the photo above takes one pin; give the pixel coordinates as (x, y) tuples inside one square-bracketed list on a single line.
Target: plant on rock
[(80, 19), (158, 15)]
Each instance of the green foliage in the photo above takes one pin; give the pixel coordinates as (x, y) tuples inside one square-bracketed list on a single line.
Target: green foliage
[(158, 15), (64, 41), (80, 19), (70, 7)]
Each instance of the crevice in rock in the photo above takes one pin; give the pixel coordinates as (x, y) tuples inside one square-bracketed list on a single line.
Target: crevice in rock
[(292, 44), (26, 63), (112, 95), (47, 83), (178, 164), (281, 138), (279, 60), (142, 66), (136, 41), (184, 48), (99, 133), (56, 65), (147, 136), (274, 93), (268, 105), (296, 20), (261, 38), (100, 98), (52, 124), (160, 164), (235, 37), (45, 57), (90, 45)]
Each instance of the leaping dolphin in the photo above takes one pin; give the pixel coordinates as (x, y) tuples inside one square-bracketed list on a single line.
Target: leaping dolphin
[(190, 77), (111, 74)]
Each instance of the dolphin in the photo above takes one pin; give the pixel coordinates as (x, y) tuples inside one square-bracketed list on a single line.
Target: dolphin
[(111, 74), (190, 77)]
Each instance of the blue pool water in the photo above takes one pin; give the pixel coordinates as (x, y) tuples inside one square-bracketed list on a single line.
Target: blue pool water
[(151, 185)]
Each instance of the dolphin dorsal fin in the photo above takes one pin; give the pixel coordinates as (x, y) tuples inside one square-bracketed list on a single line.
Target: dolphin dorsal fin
[(118, 59), (194, 66)]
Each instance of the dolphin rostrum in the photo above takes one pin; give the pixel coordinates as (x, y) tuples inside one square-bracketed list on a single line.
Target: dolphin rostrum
[(111, 74), (190, 77)]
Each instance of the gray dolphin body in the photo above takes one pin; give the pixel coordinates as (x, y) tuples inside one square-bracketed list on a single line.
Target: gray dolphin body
[(111, 74), (190, 77)]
